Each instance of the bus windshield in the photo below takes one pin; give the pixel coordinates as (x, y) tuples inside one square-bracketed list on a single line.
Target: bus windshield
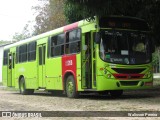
[(125, 47)]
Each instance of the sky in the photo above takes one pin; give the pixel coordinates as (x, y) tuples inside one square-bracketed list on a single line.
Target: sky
[(14, 15)]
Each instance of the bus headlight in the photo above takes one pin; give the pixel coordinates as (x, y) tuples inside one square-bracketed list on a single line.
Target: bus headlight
[(106, 73)]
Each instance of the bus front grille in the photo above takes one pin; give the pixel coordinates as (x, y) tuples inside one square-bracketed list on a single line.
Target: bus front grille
[(129, 83), (128, 71)]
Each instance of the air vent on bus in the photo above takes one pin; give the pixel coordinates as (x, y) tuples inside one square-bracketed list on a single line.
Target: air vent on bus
[(128, 71), (129, 83), (128, 76)]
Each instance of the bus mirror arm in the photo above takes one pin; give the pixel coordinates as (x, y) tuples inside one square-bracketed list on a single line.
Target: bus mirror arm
[(97, 37)]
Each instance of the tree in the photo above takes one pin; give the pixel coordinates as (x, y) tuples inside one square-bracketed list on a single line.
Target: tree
[(87, 8), (146, 9), (3, 42), (50, 16), (26, 33)]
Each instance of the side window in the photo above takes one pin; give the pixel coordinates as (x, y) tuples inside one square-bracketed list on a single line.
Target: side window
[(73, 41), (5, 57), (57, 45), (23, 53), (32, 51)]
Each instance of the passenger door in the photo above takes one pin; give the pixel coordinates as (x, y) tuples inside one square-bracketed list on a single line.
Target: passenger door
[(10, 69), (86, 61), (41, 65)]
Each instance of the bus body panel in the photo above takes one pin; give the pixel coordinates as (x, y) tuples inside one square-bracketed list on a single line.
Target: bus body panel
[(49, 72), (69, 66), (29, 72), (79, 72), (54, 73), (111, 84), (107, 81)]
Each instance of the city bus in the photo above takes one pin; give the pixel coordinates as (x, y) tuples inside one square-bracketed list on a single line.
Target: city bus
[(105, 55)]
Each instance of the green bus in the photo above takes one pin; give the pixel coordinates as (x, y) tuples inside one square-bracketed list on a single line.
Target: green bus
[(105, 55)]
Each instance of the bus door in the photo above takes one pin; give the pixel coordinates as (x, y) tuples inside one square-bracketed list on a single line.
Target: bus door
[(41, 65), (86, 61), (10, 70)]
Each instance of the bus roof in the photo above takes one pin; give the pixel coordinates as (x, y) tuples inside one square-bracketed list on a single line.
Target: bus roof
[(64, 29), (50, 33)]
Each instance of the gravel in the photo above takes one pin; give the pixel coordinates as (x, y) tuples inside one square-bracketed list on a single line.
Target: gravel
[(135, 100)]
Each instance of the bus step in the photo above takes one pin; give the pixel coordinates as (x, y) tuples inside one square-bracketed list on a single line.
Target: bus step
[(90, 89)]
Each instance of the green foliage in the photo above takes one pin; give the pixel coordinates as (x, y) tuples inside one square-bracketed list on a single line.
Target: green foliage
[(50, 16), (3, 42), (80, 9), (23, 35), (155, 59), (146, 9), (19, 36)]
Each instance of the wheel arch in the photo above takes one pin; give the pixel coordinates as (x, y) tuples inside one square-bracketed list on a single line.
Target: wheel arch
[(20, 77), (68, 73)]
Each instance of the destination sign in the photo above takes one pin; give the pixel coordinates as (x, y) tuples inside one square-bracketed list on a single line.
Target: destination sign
[(123, 23)]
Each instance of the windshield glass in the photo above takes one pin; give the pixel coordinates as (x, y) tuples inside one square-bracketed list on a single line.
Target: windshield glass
[(125, 47)]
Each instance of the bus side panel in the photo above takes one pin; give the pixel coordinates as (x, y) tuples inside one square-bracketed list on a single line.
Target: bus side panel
[(54, 73), (78, 56), (69, 65), (29, 71), (31, 75), (4, 75)]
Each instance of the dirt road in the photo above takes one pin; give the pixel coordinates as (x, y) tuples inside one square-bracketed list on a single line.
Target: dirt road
[(137, 100)]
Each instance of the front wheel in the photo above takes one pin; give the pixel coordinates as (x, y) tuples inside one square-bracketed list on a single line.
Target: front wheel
[(71, 87), (22, 88)]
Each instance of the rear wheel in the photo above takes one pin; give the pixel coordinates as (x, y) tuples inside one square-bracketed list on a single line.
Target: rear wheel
[(71, 87), (116, 93), (22, 88)]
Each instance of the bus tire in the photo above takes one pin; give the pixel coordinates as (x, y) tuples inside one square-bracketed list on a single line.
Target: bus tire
[(22, 88), (116, 93), (71, 87)]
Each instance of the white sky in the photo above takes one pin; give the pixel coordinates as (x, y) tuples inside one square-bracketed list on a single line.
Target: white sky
[(14, 14)]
